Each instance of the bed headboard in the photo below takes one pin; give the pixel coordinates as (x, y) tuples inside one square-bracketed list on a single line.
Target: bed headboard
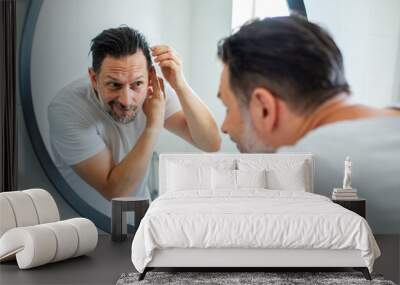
[(218, 159)]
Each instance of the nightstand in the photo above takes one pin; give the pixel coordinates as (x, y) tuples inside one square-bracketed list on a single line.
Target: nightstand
[(358, 206), (119, 226)]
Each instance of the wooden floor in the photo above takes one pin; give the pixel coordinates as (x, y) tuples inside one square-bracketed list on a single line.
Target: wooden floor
[(103, 266), (389, 262), (110, 260)]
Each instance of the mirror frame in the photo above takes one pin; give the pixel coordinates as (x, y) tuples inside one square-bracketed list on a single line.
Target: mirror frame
[(101, 220)]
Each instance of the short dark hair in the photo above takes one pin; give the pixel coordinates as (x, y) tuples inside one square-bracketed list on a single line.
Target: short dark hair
[(296, 60), (118, 42)]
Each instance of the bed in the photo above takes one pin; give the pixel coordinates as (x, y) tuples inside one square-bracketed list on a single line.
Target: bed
[(247, 211)]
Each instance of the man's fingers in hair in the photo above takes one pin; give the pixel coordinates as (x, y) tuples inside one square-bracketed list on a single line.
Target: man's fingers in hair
[(162, 87), (168, 63), (160, 49), (154, 81)]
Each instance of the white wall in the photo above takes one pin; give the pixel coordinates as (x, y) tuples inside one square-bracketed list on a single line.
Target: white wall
[(207, 22), (368, 33), (211, 21)]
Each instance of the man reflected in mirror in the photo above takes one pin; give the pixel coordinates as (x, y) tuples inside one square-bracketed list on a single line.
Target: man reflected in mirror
[(105, 126)]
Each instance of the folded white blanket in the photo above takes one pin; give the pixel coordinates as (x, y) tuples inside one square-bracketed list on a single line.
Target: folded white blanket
[(253, 218)]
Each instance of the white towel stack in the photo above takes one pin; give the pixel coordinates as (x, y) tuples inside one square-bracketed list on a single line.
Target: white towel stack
[(344, 194)]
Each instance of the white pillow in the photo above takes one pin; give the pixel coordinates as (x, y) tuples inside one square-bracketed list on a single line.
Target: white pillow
[(223, 179), (251, 178), (228, 179), (291, 178), (181, 177), (282, 174)]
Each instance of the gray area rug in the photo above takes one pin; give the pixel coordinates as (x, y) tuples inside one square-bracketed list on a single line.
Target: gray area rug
[(225, 278)]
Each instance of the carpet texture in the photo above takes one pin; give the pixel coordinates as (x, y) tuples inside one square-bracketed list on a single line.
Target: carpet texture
[(225, 278)]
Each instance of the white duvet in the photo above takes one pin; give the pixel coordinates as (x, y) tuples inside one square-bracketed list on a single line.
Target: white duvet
[(253, 218)]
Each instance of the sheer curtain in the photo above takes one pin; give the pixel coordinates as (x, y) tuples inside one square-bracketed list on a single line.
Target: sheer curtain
[(8, 134)]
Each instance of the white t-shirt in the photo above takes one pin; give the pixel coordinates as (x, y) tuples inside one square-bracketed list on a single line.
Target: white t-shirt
[(80, 128), (374, 147)]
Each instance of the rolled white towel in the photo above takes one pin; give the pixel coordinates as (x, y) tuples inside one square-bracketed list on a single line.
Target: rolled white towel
[(40, 244)]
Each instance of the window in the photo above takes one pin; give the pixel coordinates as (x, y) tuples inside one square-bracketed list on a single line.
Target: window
[(244, 10)]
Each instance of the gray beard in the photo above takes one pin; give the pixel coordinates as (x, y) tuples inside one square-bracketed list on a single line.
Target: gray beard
[(249, 141), (123, 119), (107, 108)]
